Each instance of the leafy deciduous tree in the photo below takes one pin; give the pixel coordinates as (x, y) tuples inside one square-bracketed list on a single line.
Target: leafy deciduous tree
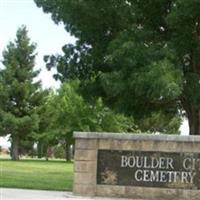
[(147, 52), (67, 111)]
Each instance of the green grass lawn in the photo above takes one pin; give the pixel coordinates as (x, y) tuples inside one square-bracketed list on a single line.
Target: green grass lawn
[(36, 174)]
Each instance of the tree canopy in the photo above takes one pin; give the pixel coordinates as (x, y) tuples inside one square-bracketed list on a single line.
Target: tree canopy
[(143, 56)]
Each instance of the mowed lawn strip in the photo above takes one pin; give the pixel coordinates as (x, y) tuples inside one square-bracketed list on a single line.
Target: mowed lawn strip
[(36, 174)]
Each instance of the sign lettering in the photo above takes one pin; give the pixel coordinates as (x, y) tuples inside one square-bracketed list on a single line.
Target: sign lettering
[(149, 169)]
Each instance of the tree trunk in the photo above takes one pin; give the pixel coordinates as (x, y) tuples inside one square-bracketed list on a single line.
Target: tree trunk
[(67, 151), (48, 153), (194, 111), (15, 148), (194, 121), (73, 152), (40, 150)]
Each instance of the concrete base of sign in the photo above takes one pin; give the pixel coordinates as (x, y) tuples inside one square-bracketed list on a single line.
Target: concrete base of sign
[(88, 145)]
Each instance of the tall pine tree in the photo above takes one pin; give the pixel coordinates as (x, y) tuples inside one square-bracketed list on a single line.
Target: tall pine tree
[(20, 93)]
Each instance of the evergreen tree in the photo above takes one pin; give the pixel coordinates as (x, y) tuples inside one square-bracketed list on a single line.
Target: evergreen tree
[(20, 93)]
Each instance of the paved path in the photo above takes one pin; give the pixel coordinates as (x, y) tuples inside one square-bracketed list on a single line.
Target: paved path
[(19, 194)]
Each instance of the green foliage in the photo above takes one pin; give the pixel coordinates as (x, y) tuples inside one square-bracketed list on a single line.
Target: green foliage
[(160, 122), (67, 111), (20, 94), (46, 135), (141, 55), (59, 152)]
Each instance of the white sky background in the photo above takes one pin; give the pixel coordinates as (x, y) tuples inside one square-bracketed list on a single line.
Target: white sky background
[(49, 37), (41, 29)]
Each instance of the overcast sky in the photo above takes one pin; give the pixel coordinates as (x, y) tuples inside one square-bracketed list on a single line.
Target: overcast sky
[(49, 37), (42, 30)]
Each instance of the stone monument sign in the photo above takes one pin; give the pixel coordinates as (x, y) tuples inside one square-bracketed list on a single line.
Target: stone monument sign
[(149, 169), (137, 166)]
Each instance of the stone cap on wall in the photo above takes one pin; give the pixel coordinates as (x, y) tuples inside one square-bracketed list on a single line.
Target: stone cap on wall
[(138, 137)]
